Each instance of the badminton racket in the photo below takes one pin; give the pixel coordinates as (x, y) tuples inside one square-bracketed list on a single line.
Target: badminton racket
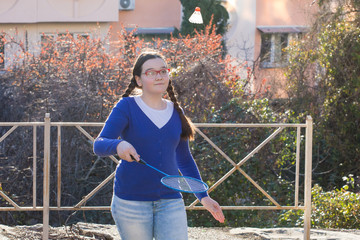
[(179, 183)]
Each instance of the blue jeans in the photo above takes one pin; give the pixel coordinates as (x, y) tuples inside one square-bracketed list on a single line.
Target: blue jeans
[(164, 219)]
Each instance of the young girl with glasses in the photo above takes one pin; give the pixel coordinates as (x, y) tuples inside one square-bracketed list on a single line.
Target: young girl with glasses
[(156, 129)]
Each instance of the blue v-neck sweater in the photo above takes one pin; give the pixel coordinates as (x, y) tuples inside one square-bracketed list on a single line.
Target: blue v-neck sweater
[(162, 148)]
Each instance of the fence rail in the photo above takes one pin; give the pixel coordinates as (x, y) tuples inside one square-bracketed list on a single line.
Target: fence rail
[(46, 208)]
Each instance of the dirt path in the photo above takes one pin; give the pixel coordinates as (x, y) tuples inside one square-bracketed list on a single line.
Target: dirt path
[(109, 232)]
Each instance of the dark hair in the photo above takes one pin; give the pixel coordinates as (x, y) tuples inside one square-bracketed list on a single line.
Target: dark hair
[(188, 129)]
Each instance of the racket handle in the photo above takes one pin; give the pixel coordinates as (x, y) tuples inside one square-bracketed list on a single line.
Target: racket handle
[(141, 161)]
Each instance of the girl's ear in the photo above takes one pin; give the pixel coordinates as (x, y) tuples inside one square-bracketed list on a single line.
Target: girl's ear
[(138, 81)]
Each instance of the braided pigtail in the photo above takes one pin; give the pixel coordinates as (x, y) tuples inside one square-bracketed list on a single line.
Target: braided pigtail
[(130, 88), (188, 129)]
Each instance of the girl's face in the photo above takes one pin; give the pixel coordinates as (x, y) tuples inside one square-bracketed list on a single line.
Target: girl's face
[(154, 78)]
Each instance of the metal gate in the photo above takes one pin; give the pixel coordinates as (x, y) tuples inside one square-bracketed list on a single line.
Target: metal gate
[(46, 208)]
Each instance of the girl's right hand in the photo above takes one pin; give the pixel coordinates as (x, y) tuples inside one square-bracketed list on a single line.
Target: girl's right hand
[(214, 208), (125, 150)]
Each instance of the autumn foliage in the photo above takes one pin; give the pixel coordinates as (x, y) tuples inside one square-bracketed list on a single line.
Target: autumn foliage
[(71, 74)]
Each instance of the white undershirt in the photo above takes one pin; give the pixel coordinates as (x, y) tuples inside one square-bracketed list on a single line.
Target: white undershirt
[(158, 117)]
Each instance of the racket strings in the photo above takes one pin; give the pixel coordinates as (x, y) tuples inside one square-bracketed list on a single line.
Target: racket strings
[(185, 184)]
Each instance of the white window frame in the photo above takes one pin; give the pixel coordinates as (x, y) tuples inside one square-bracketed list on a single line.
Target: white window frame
[(55, 36), (275, 59)]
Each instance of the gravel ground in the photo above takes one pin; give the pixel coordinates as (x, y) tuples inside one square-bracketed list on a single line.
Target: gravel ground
[(108, 232)]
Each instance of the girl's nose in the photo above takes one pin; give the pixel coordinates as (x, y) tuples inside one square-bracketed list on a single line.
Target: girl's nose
[(158, 76)]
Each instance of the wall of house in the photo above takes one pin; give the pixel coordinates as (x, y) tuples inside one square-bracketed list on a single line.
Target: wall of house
[(150, 14), (32, 11), (27, 20), (240, 37), (282, 13), (30, 35), (279, 13), (243, 39)]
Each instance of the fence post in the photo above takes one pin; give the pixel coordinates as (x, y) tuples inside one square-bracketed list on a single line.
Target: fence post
[(308, 172), (46, 186)]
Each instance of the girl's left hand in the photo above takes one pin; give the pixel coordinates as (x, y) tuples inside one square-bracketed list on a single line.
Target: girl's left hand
[(214, 208)]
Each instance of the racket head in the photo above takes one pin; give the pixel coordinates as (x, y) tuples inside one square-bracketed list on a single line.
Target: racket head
[(184, 184)]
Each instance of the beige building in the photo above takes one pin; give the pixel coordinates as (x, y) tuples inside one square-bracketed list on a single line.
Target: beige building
[(259, 31), (33, 21), (155, 17)]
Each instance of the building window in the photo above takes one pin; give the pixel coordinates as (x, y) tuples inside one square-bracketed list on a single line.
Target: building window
[(274, 41), (272, 53), (47, 46), (47, 40), (2, 52), (148, 34), (60, 42), (82, 37), (151, 37), (64, 42)]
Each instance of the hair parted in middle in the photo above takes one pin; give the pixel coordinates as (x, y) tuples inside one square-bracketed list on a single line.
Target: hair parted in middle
[(188, 129)]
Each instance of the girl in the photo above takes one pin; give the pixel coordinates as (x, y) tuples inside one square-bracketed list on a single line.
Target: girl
[(157, 130)]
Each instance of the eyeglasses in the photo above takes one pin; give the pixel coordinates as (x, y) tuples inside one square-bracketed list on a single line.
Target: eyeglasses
[(152, 73)]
